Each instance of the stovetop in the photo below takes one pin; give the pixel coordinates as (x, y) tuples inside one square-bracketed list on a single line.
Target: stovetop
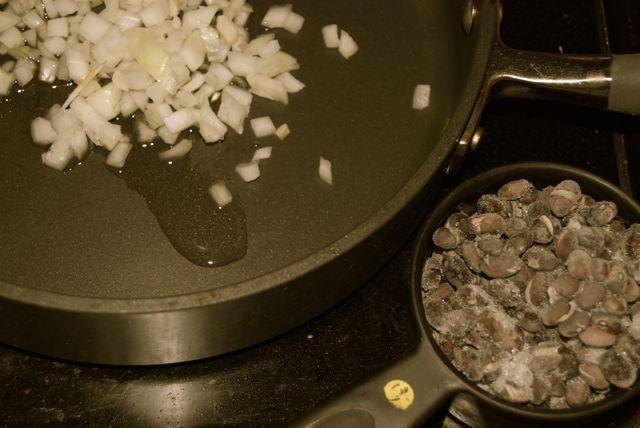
[(269, 384)]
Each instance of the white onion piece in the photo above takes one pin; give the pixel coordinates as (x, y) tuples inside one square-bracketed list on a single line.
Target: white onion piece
[(154, 115), (421, 97), (242, 96), (278, 63), (347, 46), (58, 156), (8, 66), (131, 78), (324, 170), (218, 76), (270, 48), (293, 23), (262, 126), (331, 36), (249, 171), (8, 20), (55, 45), (93, 27), (145, 134), (42, 132), (106, 101), (88, 78), (77, 141), (220, 194), (50, 8), (128, 20), (63, 119), (48, 70), (197, 80), (58, 27), (227, 30), (91, 87), (119, 154), (198, 18), (283, 131), (255, 46), (210, 126), (154, 14), (232, 112), (101, 132), (261, 154), (32, 19), (11, 38), (276, 16), (157, 92), (148, 51), (180, 120), (167, 136), (65, 7), (193, 51), (77, 64), (271, 89), (6, 82), (31, 37), (127, 105), (291, 84), (242, 64), (176, 152), (184, 99), (24, 71), (140, 98)]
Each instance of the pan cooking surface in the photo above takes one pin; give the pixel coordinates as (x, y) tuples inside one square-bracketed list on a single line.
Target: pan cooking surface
[(87, 233)]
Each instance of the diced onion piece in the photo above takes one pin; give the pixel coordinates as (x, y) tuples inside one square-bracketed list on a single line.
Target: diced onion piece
[(266, 87), (291, 84), (58, 156), (176, 152), (11, 38), (244, 97), (88, 78), (218, 76), (119, 154), (93, 27), (48, 70), (50, 8), (167, 136), (324, 170), (180, 120), (276, 16), (283, 131), (32, 19), (145, 134), (127, 105), (198, 18), (154, 14), (31, 37), (147, 51), (220, 194), (210, 126), (8, 20), (6, 82), (106, 101), (293, 23), (193, 51), (77, 64), (249, 171), (77, 141), (65, 7), (255, 46), (55, 45), (157, 92), (278, 63), (331, 36), (58, 27), (227, 29), (261, 154), (232, 112), (421, 97), (347, 46), (24, 71), (262, 126), (42, 131), (270, 48), (242, 64), (197, 80)]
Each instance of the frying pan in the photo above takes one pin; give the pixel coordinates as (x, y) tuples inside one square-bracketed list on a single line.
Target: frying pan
[(426, 372), (92, 264)]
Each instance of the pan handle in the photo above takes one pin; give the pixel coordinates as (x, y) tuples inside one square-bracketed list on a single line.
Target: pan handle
[(401, 395), (606, 82)]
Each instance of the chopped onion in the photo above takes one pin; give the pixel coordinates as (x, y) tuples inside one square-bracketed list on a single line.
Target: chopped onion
[(198, 18), (249, 171), (291, 84), (106, 101), (6, 82), (42, 131), (179, 120), (263, 126), (119, 154), (93, 27), (293, 23), (261, 154), (218, 76), (58, 156), (242, 64), (32, 19), (232, 112), (347, 46), (50, 9), (55, 45), (145, 134), (31, 37), (220, 194), (210, 126), (176, 152), (266, 87), (65, 7), (276, 64), (330, 36), (77, 141), (276, 16), (154, 14), (196, 81), (77, 64), (227, 29), (147, 51), (283, 131), (324, 171), (11, 38), (58, 27), (167, 136), (48, 70), (255, 46), (193, 51), (8, 20), (24, 71), (421, 97), (88, 78)]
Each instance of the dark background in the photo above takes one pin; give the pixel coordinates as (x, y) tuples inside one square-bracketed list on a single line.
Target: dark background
[(269, 384)]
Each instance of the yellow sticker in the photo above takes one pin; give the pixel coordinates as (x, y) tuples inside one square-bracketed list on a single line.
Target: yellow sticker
[(399, 393)]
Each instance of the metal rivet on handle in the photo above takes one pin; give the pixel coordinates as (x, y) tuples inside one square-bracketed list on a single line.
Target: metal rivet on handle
[(468, 15)]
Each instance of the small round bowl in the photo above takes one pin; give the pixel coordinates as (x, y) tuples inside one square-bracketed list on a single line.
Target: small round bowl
[(541, 174)]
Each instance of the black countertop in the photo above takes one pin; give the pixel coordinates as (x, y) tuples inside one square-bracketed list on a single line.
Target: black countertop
[(268, 384)]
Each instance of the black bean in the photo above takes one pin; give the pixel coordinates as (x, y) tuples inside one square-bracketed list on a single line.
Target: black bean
[(540, 258), (542, 230), (515, 226), (579, 264), (536, 291), (501, 265), (490, 204), (632, 242), (601, 213), (615, 305), (567, 242), (618, 369), (555, 313), (593, 336), (456, 270), (590, 295), (518, 244), (529, 321), (575, 324), (593, 375), (606, 322), (577, 392), (471, 256), (488, 223), (566, 285), (446, 238), (515, 189), (490, 244), (505, 292)]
